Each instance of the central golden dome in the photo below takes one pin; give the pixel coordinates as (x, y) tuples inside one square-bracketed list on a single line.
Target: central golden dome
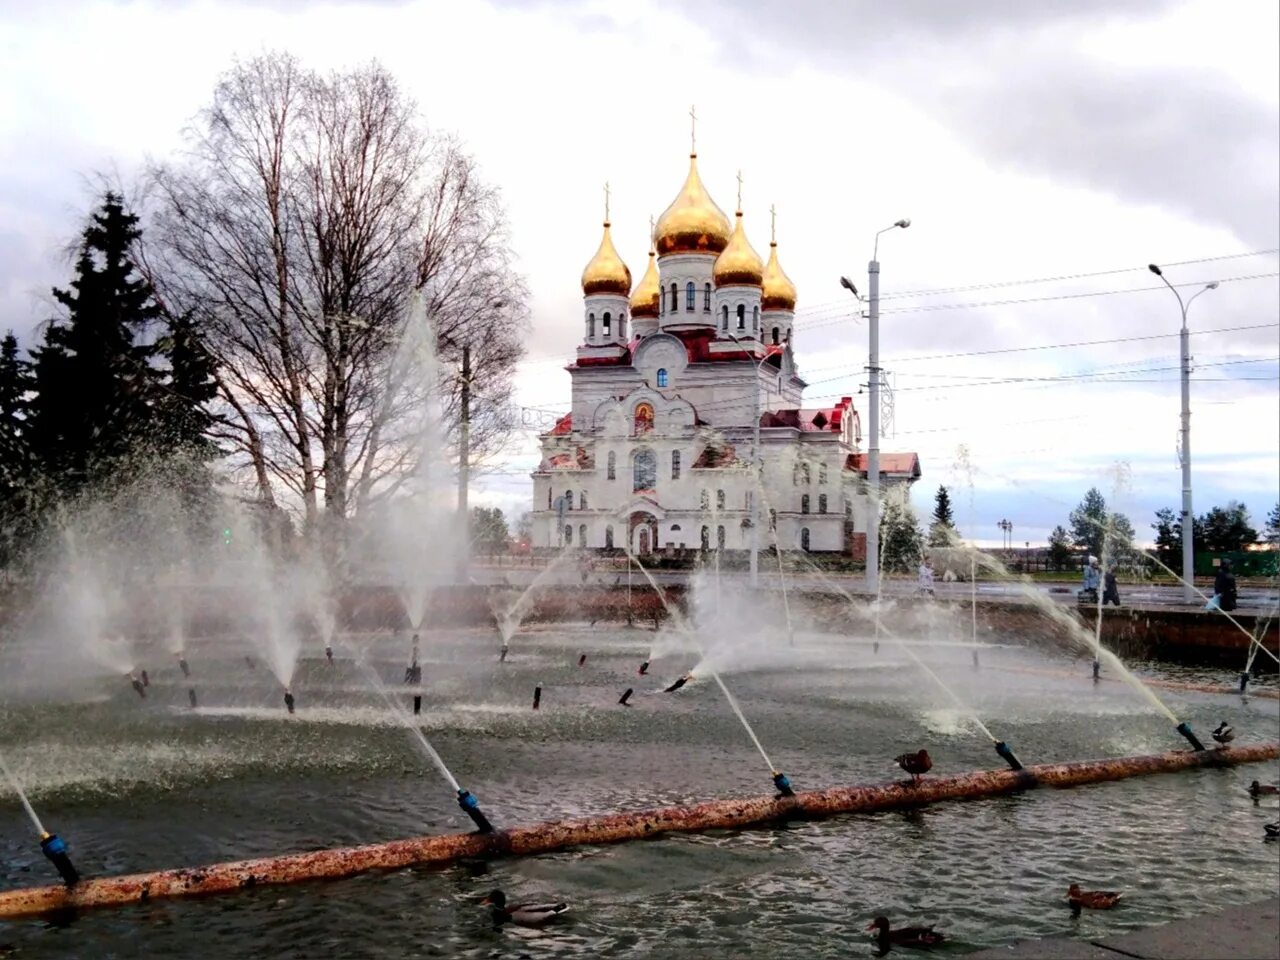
[(606, 273), (779, 292), (693, 223), (738, 265), (644, 301)]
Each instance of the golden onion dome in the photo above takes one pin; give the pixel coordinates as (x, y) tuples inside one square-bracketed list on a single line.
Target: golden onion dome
[(644, 301), (606, 273), (779, 292), (693, 223), (738, 264)]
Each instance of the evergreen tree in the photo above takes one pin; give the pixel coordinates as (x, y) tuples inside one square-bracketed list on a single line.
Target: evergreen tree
[(16, 491), (1226, 529), (1273, 526), (1059, 548), (94, 379), (489, 531), (183, 407), (1099, 531), (942, 528), (1168, 530), (901, 542)]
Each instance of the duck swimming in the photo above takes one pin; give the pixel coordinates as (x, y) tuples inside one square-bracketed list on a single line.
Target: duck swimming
[(1272, 830), (917, 764), (904, 936), (1093, 899), (1257, 789), (1223, 734), (522, 914)]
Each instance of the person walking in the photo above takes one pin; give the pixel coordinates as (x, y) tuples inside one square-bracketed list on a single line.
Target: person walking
[(1224, 586), (1111, 591)]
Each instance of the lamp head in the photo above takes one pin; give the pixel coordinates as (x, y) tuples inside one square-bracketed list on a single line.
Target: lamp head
[(1211, 286), (1154, 269), (903, 223), (848, 285)]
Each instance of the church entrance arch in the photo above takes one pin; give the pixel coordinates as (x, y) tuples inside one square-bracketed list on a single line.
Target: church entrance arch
[(644, 533)]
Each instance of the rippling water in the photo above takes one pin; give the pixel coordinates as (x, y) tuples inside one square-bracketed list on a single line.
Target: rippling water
[(136, 786)]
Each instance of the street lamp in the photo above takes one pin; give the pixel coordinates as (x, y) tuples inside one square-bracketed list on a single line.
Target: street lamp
[(1188, 524), (873, 402)]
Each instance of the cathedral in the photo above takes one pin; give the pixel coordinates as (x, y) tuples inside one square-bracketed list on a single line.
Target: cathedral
[(687, 429)]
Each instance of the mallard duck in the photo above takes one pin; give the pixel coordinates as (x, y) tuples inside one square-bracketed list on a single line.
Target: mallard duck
[(917, 764), (1223, 734), (1272, 830), (904, 936), (523, 914), (1093, 899), (1257, 789)]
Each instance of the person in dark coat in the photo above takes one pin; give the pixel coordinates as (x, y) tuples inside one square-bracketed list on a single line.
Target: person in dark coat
[(1224, 585), (1111, 591)]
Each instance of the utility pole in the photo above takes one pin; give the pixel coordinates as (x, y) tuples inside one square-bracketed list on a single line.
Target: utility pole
[(464, 466)]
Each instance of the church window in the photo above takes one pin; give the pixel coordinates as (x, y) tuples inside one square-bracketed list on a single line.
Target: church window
[(582, 500), (719, 538), (719, 499), (795, 474), (582, 535), (675, 464), (688, 295), (591, 326), (804, 472), (605, 324), (568, 534), (706, 538), (746, 501), (742, 316), (706, 298), (548, 498), (773, 519), (822, 503), (613, 466), (644, 418), (662, 377), (608, 537), (804, 539), (645, 471), (822, 473), (622, 326), (568, 499), (674, 305), (755, 319), (804, 503), (705, 500), (724, 317), (775, 335)]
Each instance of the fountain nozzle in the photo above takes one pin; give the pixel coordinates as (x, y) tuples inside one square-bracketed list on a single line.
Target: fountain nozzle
[(783, 784), (626, 695), (502, 653), (582, 659), (644, 668), (1002, 748), (288, 701), (184, 666), (1097, 668), (55, 848), (679, 683), (138, 686), (328, 653), (1244, 680), (191, 696), (1184, 728), (537, 696), (471, 807), (417, 704)]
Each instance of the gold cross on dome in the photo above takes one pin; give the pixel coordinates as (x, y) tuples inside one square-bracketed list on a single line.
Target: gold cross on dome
[(739, 191), (773, 224), (652, 231), (606, 201), (693, 131)]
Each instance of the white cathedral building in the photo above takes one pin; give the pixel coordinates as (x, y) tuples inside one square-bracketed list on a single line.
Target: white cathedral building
[(657, 453)]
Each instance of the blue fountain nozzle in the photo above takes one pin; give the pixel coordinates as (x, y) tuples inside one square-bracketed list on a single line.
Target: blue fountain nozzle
[(55, 848), (1184, 728), (471, 807), (644, 668), (1097, 668), (783, 784), (1244, 680), (1006, 753)]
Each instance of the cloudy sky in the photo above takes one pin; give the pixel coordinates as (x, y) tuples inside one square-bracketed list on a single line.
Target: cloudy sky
[(1044, 152)]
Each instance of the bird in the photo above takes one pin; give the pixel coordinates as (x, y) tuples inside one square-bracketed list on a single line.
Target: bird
[(1224, 734), (522, 914), (916, 764), (904, 936), (1272, 830), (1093, 899), (1257, 789)]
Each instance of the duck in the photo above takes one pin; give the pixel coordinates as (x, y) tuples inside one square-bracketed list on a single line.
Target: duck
[(917, 764), (904, 936), (1093, 899), (522, 914), (1257, 789), (1223, 734), (1272, 830)]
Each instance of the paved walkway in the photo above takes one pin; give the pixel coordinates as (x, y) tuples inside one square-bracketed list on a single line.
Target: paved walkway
[(1250, 932)]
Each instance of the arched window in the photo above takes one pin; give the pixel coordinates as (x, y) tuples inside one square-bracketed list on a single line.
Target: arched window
[(674, 305), (742, 316), (591, 326), (706, 538), (582, 500), (608, 537), (822, 473), (582, 535), (605, 325), (688, 295), (568, 499), (773, 519), (675, 528), (804, 539), (643, 418), (804, 472), (724, 317), (548, 498), (719, 538), (662, 376), (804, 503), (775, 335), (645, 471), (613, 466), (747, 501), (706, 298), (755, 319), (719, 499), (795, 474), (622, 326), (822, 503), (568, 534), (704, 501), (675, 464)]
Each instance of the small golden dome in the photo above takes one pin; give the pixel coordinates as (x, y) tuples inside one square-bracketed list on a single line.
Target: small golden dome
[(779, 292), (644, 301), (606, 273), (693, 223), (738, 265)]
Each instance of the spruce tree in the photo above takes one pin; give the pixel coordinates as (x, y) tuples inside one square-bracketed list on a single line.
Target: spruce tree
[(942, 526), (901, 543), (17, 495)]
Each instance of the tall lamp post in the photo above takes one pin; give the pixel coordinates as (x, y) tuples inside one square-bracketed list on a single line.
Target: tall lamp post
[(1188, 524), (873, 418)]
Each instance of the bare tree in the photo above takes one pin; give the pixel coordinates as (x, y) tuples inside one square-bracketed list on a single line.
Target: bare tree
[(305, 214)]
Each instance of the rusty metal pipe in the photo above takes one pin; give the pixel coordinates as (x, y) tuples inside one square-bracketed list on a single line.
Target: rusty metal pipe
[(609, 828)]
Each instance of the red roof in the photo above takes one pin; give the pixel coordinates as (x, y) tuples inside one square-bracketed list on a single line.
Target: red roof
[(697, 344), (563, 426), (812, 420), (892, 464), (713, 456)]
